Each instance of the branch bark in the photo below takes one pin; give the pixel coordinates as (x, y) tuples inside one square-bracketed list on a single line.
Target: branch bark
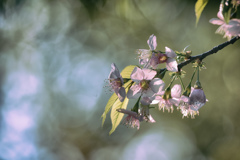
[(205, 54)]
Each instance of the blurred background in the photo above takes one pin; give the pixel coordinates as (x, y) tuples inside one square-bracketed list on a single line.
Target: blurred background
[(55, 57)]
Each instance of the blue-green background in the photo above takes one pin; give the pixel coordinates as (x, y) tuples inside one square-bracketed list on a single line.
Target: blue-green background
[(55, 56)]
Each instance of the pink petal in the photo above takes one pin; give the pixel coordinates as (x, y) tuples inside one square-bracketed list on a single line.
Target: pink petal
[(152, 42), (220, 15), (170, 53), (137, 74), (157, 85), (176, 91), (148, 74), (157, 100), (185, 99), (216, 21), (174, 101), (121, 94), (134, 92), (172, 65)]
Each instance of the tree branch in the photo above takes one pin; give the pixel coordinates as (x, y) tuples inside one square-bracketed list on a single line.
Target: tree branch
[(205, 54)]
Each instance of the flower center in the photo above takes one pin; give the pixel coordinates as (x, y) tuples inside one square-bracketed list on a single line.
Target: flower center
[(116, 82), (162, 58), (144, 84)]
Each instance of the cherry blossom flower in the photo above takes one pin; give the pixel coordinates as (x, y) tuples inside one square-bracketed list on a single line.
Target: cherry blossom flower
[(186, 109), (228, 30), (133, 119), (116, 82), (145, 54), (145, 86), (169, 99), (190, 105), (168, 57)]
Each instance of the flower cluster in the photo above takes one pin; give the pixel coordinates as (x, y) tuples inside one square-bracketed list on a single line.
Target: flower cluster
[(148, 85), (149, 89), (230, 28)]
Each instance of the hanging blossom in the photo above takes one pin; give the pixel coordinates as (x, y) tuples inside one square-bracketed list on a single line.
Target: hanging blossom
[(145, 54), (116, 82), (133, 119), (190, 105), (168, 100), (145, 86), (185, 108), (228, 30), (197, 99), (168, 57)]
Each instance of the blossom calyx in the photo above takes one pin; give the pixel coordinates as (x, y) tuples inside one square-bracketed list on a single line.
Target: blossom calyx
[(198, 85)]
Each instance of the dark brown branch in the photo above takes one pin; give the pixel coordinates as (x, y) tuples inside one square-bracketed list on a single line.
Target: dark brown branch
[(204, 55)]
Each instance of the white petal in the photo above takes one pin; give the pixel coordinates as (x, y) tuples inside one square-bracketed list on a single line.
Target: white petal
[(176, 91), (150, 119), (137, 74), (172, 65), (155, 102), (157, 85), (134, 92), (152, 42), (170, 53), (148, 74)]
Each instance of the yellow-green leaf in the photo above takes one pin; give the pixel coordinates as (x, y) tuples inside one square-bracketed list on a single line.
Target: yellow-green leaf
[(199, 6), (126, 72), (109, 105), (112, 100), (116, 117)]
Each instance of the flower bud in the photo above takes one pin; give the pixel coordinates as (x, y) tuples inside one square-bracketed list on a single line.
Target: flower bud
[(188, 54), (197, 99)]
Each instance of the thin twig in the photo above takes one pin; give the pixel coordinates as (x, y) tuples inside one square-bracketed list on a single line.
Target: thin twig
[(205, 54)]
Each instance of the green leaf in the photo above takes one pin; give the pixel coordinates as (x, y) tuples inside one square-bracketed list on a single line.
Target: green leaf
[(199, 6), (111, 101), (109, 105), (127, 71), (226, 11), (116, 116)]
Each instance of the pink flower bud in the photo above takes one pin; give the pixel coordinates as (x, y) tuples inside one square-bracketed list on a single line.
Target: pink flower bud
[(197, 99)]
